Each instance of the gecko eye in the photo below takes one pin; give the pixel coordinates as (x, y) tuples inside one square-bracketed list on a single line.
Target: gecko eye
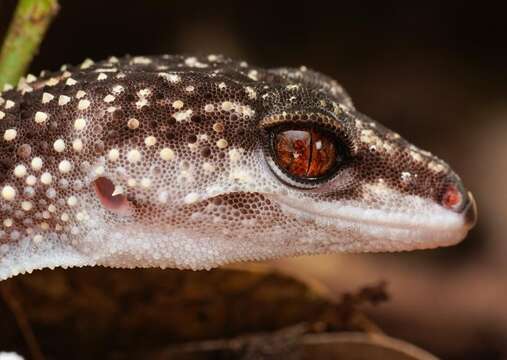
[(306, 155)]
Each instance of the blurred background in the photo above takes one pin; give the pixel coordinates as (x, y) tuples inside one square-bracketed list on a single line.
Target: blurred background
[(434, 71)]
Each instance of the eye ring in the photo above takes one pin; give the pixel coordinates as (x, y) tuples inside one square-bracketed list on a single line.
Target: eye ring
[(305, 155)]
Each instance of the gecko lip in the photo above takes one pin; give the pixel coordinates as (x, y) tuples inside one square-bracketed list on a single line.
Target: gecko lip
[(438, 224)]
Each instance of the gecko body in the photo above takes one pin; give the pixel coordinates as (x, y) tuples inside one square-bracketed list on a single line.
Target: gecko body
[(193, 162)]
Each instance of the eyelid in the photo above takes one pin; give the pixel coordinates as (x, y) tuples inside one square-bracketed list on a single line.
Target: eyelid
[(303, 118), (321, 118)]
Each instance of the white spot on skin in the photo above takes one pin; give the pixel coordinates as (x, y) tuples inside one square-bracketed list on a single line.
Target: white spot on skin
[(145, 183), (405, 176), (79, 124), (227, 106), (40, 117), (70, 82), (218, 127), (2, 115), (144, 92), (167, 154), (8, 222), (209, 108), (80, 94), (83, 104), (183, 115), (63, 100), (46, 178), (134, 156), (234, 155), (133, 123), (8, 193), (222, 144), (64, 166), (59, 145), (150, 141), (77, 145), (118, 89), (20, 171), (36, 163), (247, 111), (10, 134), (141, 103), (101, 77), (113, 155), (189, 88), (141, 60), (26, 205), (31, 180), (173, 78), (163, 197), (86, 64), (38, 238), (9, 104), (416, 156), (251, 93), (65, 217), (436, 167), (253, 74), (47, 97), (178, 104), (109, 98), (72, 201)]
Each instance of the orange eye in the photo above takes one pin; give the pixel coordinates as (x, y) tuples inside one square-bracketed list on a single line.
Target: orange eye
[(306, 153)]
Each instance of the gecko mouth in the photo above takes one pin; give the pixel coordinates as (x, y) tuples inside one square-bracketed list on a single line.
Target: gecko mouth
[(427, 225)]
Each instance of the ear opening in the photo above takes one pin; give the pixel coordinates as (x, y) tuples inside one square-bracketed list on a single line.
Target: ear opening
[(110, 196)]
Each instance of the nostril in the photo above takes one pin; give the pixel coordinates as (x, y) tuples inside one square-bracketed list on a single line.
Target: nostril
[(453, 198), (108, 195)]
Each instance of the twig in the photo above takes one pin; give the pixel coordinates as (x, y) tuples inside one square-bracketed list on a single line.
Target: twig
[(9, 296), (26, 31)]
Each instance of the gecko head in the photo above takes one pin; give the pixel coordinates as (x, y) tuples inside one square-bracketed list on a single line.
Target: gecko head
[(298, 171), (192, 163)]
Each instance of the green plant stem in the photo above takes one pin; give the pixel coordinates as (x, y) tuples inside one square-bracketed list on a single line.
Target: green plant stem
[(26, 31)]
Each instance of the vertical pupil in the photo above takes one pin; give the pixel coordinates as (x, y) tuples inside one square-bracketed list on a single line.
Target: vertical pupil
[(305, 153)]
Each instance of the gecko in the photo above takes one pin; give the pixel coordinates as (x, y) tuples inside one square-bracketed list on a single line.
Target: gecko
[(193, 162)]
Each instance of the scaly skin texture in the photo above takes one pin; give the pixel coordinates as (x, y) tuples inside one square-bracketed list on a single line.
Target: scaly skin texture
[(165, 161)]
